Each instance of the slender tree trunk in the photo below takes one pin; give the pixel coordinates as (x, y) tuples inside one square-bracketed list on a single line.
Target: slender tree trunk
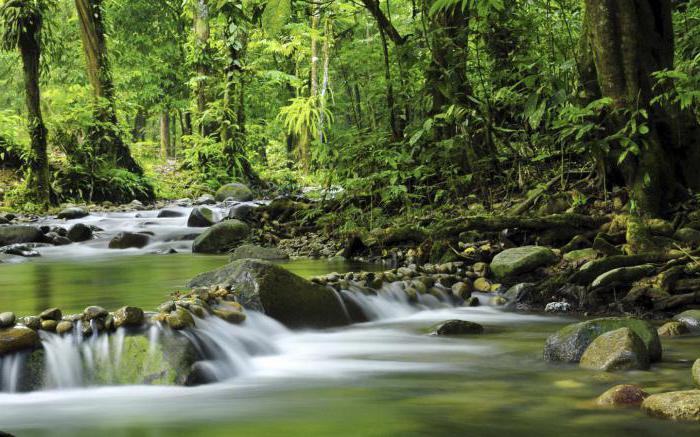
[(202, 34), (38, 180), (164, 134), (396, 133), (106, 137), (327, 34), (138, 133)]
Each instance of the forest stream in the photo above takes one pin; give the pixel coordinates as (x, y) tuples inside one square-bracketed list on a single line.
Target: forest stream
[(387, 376)]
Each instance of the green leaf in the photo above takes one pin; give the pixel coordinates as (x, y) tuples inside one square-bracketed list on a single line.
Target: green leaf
[(275, 16)]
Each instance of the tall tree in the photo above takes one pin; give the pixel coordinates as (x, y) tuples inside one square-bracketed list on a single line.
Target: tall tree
[(22, 22), (631, 39), (105, 135)]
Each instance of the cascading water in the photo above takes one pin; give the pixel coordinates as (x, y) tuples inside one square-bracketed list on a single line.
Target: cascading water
[(11, 372)]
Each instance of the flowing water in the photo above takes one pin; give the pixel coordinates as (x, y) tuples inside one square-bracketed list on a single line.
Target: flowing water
[(384, 377)]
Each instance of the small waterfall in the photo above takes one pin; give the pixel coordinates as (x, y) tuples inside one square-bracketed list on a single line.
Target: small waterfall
[(391, 302), (11, 372)]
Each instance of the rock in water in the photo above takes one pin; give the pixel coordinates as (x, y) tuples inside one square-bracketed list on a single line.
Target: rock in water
[(236, 191), (79, 233), (51, 314), (201, 217), (20, 234), (205, 199), (128, 316), (458, 327), (282, 295), (676, 405), (257, 252), (519, 260), (569, 343), (620, 349), (672, 329), (624, 395), (17, 339), (241, 212), (7, 320), (221, 237), (73, 213), (690, 318), (169, 213), (696, 372), (126, 240)]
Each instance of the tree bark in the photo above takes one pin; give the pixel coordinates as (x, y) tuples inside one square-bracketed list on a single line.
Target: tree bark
[(383, 22), (164, 134), (202, 33), (396, 133)]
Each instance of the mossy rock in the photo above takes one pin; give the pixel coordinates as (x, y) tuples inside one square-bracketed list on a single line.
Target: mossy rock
[(672, 329), (458, 327), (17, 339), (581, 255), (695, 372), (569, 343), (623, 395), (677, 405), (235, 191), (222, 237), (620, 349), (282, 295), (201, 217), (690, 318), (73, 213), (20, 234), (257, 252), (520, 260)]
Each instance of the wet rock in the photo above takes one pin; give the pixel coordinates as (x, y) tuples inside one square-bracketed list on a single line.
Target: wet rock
[(462, 289), (221, 237), (623, 395), (676, 405), (167, 307), (51, 314), (687, 235), (620, 349), (179, 319), (169, 213), (27, 250), (64, 327), (472, 302), (520, 260), (126, 240), (235, 191), (672, 329), (19, 235), (32, 322), (258, 252), (458, 327), (520, 292), (690, 318), (49, 325), (241, 212), (695, 372), (569, 343), (558, 307), (205, 199), (231, 312), (7, 320), (94, 312), (17, 339), (128, 317), (498, 301), (623, 275), (481, 269), (58, 240), (282, 295), (201, 217), (73, 213), (482, 285), (581, 255)]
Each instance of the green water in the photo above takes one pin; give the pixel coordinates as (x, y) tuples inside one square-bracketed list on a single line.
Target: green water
[(144, 280)]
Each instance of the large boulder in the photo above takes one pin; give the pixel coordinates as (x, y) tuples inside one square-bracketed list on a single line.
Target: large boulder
[(79, 232), (282, 295), (221, 237), (201, 217), (235, 191), (241, 212), (73, 213), (17, 339), (258, 252), (620, 349), (569, 343), (126, 240), (690, 318), (20, 234), (675, 405), (519, 260)]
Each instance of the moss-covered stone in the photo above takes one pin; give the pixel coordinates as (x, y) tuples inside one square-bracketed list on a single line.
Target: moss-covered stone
[(231, 312), (677, 405), (235, 191), (569, 343), (520, 260), (128, 316), (16, 339), (20, 234), (672, 329), (620, 349), (291, 299), (623, 275), (221, 237), (623, 395), (257, 252), (458, 327), (695, 372), (73, 213), (581, 255), (201, 217)]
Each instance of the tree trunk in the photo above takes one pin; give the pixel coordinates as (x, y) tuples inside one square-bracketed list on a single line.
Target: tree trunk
[(105, 137), (383, 22), (164, 134), (631, 39), (38, 180), (396, 133), (202, 34), (138, 133), (327, 35)]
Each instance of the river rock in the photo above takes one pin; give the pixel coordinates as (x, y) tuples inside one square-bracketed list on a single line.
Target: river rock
[(623, 395), (458, 327), (201, 217), (258, 252), (569, 343), (695, 372), (221, 237), (235, 191), (79, 232), (581, 255), (672, 329), (231, 312), (73, 213), (64, 327), (128, 316), (623, 275), (32, 322), (687, 235), (482, 285), (169, 213), (17, 339), (51, 314), (519, 260), (282, 295), (620, 349), (50, 325), (205, 199), (241, 212), (690, 318), (179, 319), (462, 289), (126, 240), (20, 234), (676, 405), (94, 312), (520, 292), (26, 250), (7, 320)]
